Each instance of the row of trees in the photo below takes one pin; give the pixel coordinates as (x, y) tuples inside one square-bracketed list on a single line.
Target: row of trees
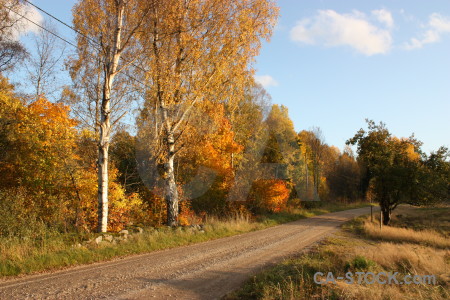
[(206, 137), (182, 54)]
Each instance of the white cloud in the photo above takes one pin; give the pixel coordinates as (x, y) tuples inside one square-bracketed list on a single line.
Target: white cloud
[(332, 29), (266, 80), (24, 26), (384, 16), (440, 23), (436, 27)]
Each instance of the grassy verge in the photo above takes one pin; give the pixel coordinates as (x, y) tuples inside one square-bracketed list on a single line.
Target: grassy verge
[(422, 249), (51, 250)]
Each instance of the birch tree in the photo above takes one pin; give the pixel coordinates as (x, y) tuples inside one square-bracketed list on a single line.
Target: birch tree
[(108, 31), (197, 51)]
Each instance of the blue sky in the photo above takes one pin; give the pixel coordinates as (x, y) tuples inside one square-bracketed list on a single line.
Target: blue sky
[(335, 63)]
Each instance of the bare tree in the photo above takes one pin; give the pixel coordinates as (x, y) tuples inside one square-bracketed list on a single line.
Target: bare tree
[(11, 51), (43, 65)]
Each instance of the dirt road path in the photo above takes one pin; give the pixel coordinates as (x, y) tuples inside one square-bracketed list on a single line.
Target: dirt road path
[(202, 271)]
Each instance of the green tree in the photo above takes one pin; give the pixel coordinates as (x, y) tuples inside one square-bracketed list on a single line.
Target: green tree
[(435, 177), (343, 177), (390, 164)]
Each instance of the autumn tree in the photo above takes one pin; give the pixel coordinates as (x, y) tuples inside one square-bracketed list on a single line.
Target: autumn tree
[(246, 114), (197, 51), (37, 142), (314, 148), (282, 142), (316, 141), (246, 109), (205, 168), (270, 158), (108, 42)]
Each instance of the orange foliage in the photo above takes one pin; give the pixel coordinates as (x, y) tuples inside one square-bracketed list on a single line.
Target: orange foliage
[(217, 149), (40, 138), (84, 188), (153, 211), (270, 194), (187, 216), (211, 146), (46, 155)]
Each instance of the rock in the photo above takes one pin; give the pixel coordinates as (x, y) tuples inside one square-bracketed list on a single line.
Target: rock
[(140, 230), (124, 232), (98, 239), (201, 231), (108, 237)]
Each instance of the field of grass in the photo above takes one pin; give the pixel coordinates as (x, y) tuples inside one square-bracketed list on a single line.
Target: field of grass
[(51, 250), (416, 243)]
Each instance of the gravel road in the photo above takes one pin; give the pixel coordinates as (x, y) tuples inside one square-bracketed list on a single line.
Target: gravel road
[(207, 270)]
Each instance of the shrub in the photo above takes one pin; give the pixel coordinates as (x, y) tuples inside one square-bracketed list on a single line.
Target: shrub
[(359, 263), (18, 219), (269, 195)]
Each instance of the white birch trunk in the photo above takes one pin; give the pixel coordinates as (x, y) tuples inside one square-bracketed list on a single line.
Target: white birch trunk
[(171, 194), (105, 123), (103, 151)]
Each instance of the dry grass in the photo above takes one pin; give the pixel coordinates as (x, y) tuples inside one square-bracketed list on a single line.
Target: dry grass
[(48, 249), (406, 235), (424, 251)]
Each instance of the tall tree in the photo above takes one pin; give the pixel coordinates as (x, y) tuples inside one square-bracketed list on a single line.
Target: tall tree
[(199, 49), (343, 175), (109, 36), (282, 143), (314, 147)]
